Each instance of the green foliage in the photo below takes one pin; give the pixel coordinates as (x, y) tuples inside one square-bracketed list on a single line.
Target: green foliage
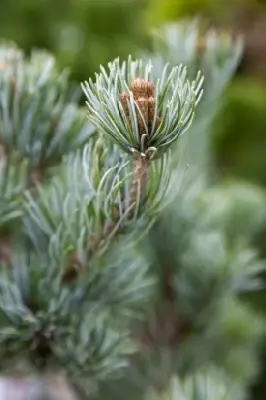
[(52, 324), (235, 208), (216, 55), (200, 264), (40, 121), (205, 273), (175, 99), (122, 270)]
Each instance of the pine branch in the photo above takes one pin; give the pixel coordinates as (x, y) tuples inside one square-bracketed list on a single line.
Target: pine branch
[(217, 55), (140, 116), (40, 121), (198, 275), (76, 293), (99, 198), (79, 328)]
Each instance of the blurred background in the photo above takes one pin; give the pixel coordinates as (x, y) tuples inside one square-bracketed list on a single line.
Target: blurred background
[(85, 33)]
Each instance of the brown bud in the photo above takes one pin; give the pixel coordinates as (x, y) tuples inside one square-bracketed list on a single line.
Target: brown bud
[(124, 101), (142, 118), (150, 89), (142, 88), (144, 95)]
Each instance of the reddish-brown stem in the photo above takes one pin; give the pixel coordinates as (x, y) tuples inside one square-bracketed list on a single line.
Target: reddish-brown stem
[(137, 191), (140, 179)]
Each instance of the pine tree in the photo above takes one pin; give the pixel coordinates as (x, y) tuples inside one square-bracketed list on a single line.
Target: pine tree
[(121, 266)]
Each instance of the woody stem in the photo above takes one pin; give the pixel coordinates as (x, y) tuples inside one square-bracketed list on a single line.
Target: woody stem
[(138, 188), (140, 178)]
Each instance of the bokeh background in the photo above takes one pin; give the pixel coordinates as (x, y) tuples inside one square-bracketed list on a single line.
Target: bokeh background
[(85, 33)]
